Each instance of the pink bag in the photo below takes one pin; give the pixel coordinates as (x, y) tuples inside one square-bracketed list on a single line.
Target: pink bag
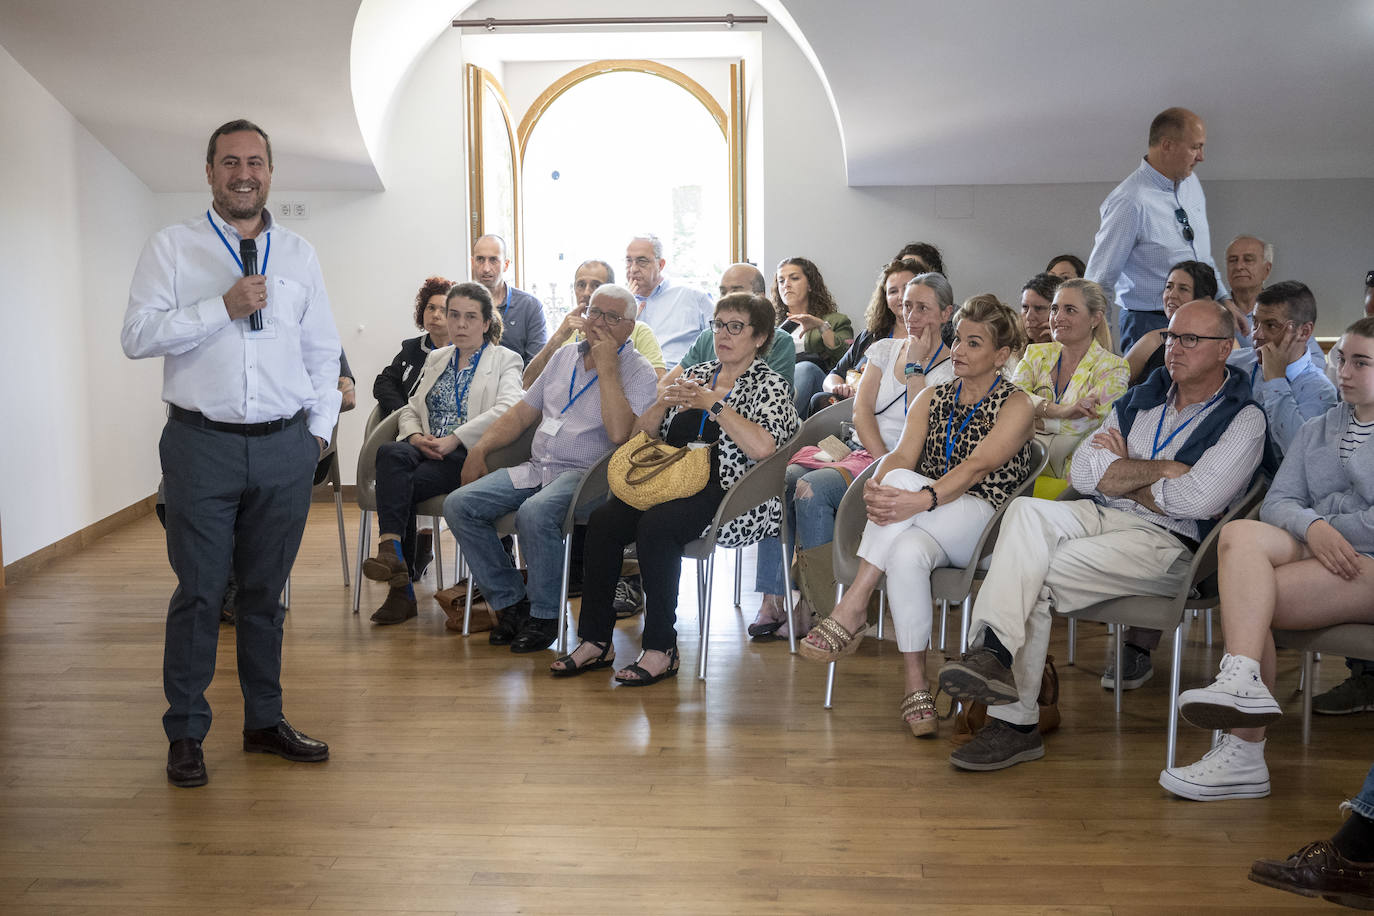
[(852, 466)]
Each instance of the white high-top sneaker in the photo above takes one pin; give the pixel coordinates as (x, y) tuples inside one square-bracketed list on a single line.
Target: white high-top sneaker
[(1236, 699), (1233, 769)]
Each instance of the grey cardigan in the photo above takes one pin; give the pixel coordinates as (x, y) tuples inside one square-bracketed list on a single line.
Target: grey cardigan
[(1312, 483)]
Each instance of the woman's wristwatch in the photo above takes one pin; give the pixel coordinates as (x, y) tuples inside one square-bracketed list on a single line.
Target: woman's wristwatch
[(717, 408)]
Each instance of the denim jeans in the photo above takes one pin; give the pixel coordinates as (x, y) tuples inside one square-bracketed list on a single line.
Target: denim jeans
[(807, 379), (472, 511), (811, 522), (1364, 802)]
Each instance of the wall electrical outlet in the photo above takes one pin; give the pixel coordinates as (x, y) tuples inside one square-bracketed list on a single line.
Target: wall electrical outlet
[(299, 210), (282, 209), (291, 209)]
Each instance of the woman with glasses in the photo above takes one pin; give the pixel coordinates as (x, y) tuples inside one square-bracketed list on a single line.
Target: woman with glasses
[(807, 311), (1187, 280), (461, 390), (1073, 379), (741, 409), (897, 371), (964, 451)]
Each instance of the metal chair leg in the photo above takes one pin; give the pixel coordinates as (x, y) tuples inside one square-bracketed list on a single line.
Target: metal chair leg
[(564, 606), (882, 608), (706, 618), (739, 576), (944, 621), (1120, 643), (1307, 697), (787, 603), (343, 537), (965, 618), (1174, 678), (830, 668), (1209, 628), (438, 541), (467, 605), (1073, 638), (364, 535)]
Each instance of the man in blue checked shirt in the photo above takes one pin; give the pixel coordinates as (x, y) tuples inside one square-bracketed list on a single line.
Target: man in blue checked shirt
[(1151, 221)]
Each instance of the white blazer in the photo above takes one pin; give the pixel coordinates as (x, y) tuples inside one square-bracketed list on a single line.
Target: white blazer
[(496, 385)]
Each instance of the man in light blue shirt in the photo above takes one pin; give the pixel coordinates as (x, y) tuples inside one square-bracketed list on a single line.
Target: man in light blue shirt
[(1285, 378), (677, 314), (1151, 221)]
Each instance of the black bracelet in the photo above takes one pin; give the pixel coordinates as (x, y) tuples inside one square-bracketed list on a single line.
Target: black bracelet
[(934, 499)]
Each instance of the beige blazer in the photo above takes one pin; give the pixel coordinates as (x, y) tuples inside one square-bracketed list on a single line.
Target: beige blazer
[(496, 385)]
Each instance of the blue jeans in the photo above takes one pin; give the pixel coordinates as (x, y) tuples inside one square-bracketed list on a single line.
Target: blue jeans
[(1364, 802), (1135, 325), (472, 511), (807, 379), (811, 522)]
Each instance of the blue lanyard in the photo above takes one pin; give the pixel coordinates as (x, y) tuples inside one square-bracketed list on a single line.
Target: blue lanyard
[(459, 395), (925, 370), (572, 398), (1254, 372), (234, 254), (949, 421), (706, 413), (1159, 427), (1057, 393)]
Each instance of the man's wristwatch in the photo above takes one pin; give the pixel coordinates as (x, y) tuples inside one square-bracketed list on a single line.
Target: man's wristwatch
[(717, 408)]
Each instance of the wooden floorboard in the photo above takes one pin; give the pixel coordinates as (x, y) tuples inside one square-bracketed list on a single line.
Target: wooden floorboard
[(463, 779)]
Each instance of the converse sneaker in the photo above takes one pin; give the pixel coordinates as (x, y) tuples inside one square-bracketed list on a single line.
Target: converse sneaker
[(1236, 699), (1233, 769), (1136, 670)]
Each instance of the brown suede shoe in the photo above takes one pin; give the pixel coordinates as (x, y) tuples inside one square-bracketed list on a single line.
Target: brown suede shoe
[(1318, 870), (387, 566), (397, 608)]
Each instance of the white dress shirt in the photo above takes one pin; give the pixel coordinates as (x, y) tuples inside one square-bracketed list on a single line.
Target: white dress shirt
[(220, 366)]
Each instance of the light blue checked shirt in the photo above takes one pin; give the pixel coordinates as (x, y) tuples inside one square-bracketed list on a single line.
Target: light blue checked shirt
[(1140, 237), (1302, 393)]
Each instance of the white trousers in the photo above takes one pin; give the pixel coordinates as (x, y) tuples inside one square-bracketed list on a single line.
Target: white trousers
[(1074, 553), (909, 549)]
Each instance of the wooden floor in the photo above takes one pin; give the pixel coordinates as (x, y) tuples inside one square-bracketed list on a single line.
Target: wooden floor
[(463, 779)]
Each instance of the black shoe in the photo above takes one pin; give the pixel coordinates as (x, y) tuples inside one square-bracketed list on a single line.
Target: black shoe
[(629, 597), (508, 623), (284, 741), (424, 555), (186, 764), (536, 634)]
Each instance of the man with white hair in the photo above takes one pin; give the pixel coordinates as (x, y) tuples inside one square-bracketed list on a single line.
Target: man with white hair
[(584, 403), (1249, 259), (677, 314)]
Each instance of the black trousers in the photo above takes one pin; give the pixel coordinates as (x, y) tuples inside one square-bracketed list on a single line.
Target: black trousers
[(239, 502), (405, 478), (659, 534)]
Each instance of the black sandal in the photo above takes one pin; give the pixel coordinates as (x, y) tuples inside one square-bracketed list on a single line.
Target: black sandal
[(571, 668), (642, 677)]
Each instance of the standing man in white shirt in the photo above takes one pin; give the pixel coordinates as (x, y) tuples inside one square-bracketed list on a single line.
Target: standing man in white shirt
[(1151, 221), (251, 404), (677, 314)]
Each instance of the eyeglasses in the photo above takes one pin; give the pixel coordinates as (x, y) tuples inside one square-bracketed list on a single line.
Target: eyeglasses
[(1188, 341), (641, 262), (610, 318), (734, 327), (1182, 216)]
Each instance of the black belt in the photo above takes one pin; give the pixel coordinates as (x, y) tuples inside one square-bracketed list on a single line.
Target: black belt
[(1186, 541), (196, 418)]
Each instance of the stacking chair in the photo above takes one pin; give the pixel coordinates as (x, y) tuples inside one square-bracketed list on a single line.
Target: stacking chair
[(1355, 640), (1198, 591), (762, 482), (590, 492), (948, 584)]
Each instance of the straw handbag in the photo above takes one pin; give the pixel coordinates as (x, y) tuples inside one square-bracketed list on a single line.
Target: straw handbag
[(645, 472)]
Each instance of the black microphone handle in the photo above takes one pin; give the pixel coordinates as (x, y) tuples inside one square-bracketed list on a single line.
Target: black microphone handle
[(248, 253)]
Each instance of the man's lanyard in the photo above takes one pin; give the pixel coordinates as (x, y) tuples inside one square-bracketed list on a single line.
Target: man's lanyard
[(1159, 427), (234, 254), (459, 395), (572, 398), (706, 413), (950, 441)]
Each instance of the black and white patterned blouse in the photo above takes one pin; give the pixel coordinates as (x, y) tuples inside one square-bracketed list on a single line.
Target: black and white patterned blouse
[(946, 413), (761, 396)]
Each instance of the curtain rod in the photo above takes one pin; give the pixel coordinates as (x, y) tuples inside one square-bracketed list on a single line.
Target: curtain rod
[(729, 20)]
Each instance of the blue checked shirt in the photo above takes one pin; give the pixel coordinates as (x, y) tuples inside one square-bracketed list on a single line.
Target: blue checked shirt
[(1140, 237)]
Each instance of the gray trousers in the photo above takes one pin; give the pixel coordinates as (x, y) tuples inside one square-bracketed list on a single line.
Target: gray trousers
[(237, 502)]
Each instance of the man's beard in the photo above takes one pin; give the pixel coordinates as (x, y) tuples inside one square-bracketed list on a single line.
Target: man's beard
[(225, 203)]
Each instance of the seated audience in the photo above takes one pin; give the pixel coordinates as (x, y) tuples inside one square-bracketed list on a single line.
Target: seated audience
[(675, 313), (1307, 563), (926, 253), (463, 388), (742, 278), (820, 331), (396, 383), (1285, 378), (964, 450), (585, 402), (1249, 259), (898, 369), (1073, 379), (1187, 280), (1066, 267), (1340, 869), (588, 276), (1036, 297), (734, 401), (883, 319), (1173, 454)]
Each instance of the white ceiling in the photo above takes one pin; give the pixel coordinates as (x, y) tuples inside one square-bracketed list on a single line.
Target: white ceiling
[(927, 93)]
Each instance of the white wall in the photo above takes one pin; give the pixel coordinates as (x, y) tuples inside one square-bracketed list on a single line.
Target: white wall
[(81, 422)]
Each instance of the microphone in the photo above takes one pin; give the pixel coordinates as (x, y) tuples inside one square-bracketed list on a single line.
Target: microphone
[(248, 254)]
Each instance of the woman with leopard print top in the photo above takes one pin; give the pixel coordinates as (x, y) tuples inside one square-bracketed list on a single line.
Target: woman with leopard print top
[(964, 451)]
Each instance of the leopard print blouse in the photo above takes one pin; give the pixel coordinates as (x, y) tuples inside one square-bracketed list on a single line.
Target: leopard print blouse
[(997, 487)]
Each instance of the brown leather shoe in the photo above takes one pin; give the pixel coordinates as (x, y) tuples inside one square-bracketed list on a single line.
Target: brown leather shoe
[(284, 741), (1318, 870), (397, 608), (387, 566), (186, 763)]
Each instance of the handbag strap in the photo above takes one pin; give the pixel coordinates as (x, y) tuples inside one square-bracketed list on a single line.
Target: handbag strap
[(663, 457)]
